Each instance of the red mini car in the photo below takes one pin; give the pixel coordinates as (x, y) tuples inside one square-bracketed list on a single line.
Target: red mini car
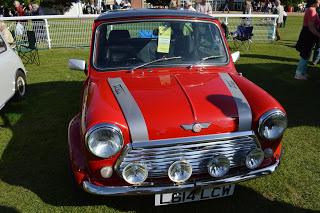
[(165, 112)]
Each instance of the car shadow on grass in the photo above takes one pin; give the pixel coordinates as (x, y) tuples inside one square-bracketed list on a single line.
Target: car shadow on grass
[(36, 157), (243, 200), (299, 98), (4, 209)]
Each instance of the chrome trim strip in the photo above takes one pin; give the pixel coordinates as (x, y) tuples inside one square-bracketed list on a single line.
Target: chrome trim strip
[(134, 190), (193, 139), (137, 125), (244, 110)]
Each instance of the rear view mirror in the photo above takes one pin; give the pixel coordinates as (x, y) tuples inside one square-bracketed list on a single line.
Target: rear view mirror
[(76, 64), (235, 56)]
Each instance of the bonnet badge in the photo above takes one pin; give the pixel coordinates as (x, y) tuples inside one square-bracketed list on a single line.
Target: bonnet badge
[(195, 127)]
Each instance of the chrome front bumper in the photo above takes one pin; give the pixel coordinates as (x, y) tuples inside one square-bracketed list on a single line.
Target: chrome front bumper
[(138, 190)]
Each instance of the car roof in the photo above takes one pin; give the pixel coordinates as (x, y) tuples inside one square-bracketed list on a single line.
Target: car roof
[(130, 13)]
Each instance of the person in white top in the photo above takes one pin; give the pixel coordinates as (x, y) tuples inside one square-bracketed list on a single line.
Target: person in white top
[(6, 34), (204, 7), (188, 6), (278, 10)]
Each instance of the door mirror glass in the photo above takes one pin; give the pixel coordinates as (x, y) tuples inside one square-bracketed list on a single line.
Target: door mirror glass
[(76, 64), (235, 56)]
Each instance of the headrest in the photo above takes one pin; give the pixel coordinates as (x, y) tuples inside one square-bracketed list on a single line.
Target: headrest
[(116, 35)]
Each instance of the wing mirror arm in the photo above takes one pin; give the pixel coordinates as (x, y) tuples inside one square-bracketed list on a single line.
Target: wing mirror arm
[(76, 64)]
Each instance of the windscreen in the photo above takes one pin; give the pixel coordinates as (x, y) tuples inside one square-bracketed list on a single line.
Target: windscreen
[(127, 45)]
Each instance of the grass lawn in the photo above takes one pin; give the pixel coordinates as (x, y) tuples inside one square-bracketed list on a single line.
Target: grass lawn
[(34, 175)]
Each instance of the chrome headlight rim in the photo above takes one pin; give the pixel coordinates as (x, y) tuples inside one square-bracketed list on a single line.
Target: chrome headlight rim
[(214, 160), (143, 167), (182, 180), (255, 151), (113, 128), (265, 118)]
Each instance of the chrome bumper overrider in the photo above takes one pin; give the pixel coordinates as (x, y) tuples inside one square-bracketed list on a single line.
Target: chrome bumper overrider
[(135, 190)]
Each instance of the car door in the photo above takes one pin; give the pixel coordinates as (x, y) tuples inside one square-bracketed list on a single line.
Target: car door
[(7, 72)]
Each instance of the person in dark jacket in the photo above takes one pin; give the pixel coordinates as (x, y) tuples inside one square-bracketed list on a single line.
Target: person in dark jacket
[(309, 35), (38, 25), (2, 11), (90, 8), (316, 52)]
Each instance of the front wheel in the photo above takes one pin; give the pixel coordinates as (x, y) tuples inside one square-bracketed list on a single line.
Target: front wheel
[(21, 85)]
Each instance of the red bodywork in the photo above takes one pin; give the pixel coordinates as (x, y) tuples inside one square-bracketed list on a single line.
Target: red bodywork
[(167, 98)]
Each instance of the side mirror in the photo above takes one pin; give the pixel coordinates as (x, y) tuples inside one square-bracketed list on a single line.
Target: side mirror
[(235, 56), (76, 64)]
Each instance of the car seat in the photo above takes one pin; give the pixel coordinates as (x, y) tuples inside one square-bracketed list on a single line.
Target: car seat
[(119, 48)]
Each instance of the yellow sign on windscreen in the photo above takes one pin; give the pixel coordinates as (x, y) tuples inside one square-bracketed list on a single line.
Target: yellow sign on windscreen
[(164, 39)]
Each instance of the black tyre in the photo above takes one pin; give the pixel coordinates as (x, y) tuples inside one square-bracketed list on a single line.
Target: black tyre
[(21, 85)]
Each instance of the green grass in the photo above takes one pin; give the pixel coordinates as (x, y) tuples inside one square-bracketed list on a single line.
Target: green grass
[(34, 175)]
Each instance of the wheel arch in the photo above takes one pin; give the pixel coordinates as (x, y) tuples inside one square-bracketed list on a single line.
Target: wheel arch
[(22, 70)]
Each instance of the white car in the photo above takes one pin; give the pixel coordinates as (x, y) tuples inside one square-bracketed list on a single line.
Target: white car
[(12, 74)]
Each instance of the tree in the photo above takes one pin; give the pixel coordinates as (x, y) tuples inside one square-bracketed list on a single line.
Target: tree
[(61, 5), (9, 3), (292, 3), (159, 2)]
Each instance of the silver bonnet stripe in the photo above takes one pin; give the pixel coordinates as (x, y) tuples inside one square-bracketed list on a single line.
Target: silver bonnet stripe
[(137, 125), (244, 110)]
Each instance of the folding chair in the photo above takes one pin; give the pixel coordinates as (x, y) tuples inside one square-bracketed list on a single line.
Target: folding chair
[(29, 52), (243, 37)]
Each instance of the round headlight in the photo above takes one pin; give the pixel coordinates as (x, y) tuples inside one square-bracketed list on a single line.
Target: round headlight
[(180, 171), (104, 140), (254, 158), (219, 166), (272, 125), (135, 173)]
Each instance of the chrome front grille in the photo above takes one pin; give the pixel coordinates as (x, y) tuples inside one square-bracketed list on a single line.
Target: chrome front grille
[(198, 151)]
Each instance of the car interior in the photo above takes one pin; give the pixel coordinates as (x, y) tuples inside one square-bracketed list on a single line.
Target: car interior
[(118, 48)]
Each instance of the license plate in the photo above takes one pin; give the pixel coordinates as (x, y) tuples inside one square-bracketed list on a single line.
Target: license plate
[(194, 195)]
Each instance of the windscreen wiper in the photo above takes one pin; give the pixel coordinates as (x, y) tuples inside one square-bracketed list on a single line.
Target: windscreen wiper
[(154, 61), (204, 59)]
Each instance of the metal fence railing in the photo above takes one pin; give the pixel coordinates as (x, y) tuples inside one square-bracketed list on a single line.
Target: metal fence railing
[(264, 25), (65, 31)]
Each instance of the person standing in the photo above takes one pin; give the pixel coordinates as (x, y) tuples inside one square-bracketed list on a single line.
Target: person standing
[(6, 34), (285, 16), (90, 8), (173, 5), (116, 5), (2, 11), (188, 6), (19, 11), (226, 6), (309, 35), (38, 25), (37, 10), (279, 11), (204, 7), (247, 7)]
